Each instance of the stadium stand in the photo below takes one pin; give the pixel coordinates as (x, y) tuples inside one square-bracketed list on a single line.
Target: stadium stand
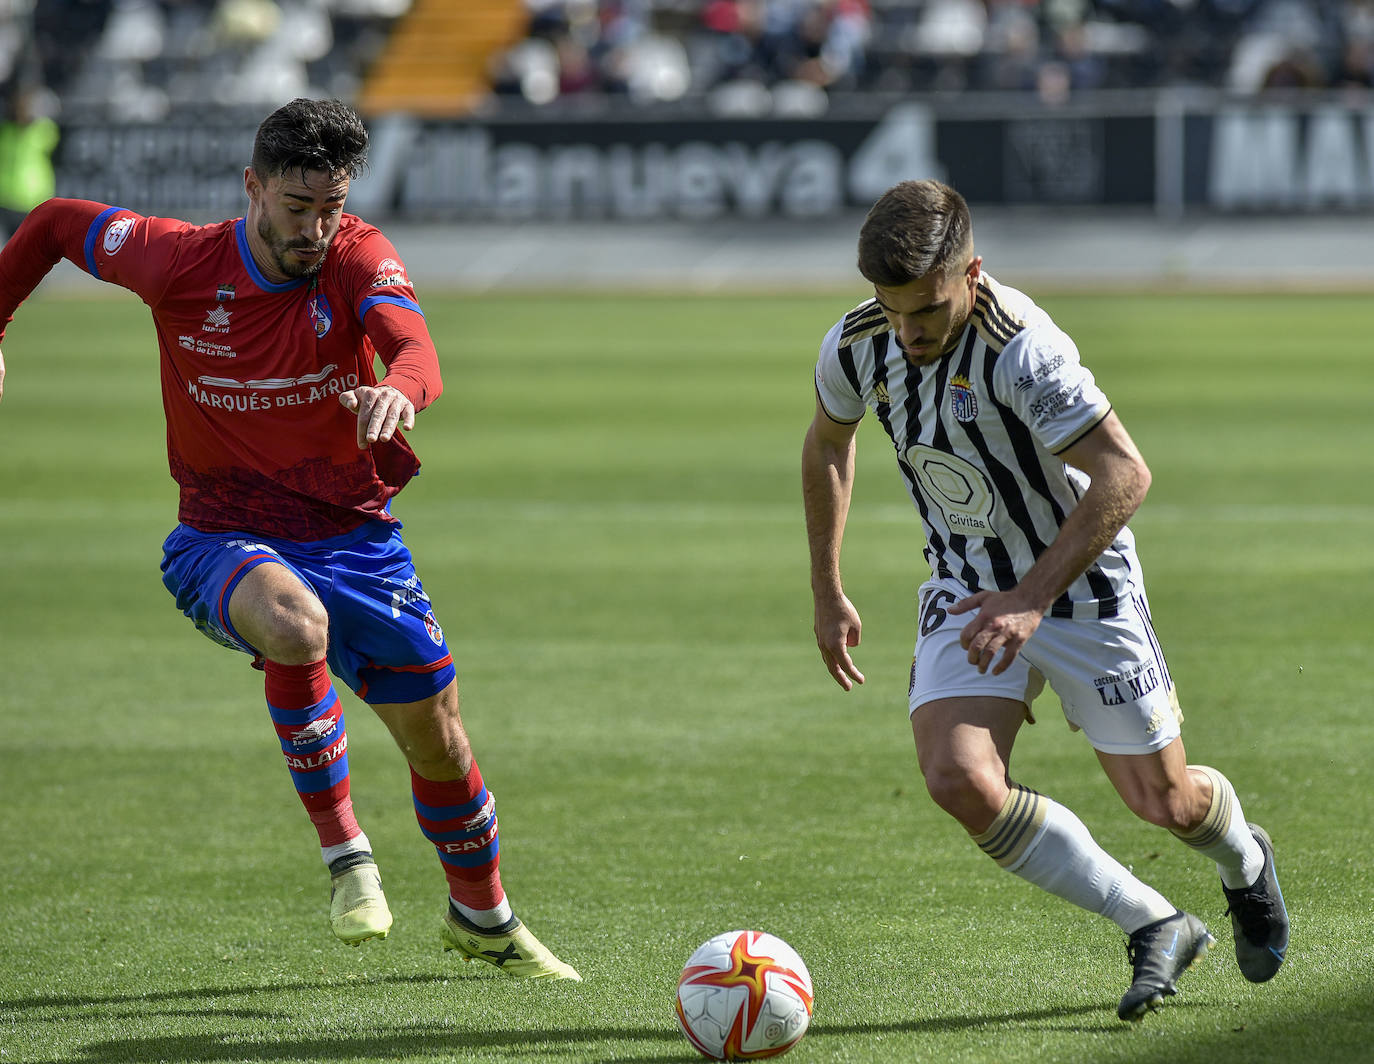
[(140, 60), (435, 60)]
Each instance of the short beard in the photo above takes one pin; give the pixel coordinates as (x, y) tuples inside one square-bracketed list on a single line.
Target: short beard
[(279, 248)]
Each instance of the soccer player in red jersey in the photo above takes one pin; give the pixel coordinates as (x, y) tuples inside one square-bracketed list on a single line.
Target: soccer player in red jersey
[(288, 450)]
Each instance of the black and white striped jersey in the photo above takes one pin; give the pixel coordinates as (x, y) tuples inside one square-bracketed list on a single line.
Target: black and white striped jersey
[(976, 436)]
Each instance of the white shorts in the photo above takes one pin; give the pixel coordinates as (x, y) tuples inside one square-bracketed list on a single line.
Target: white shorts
[(1109, 674)]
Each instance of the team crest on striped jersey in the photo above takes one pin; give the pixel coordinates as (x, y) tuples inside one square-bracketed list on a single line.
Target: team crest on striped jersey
[(963, 401)]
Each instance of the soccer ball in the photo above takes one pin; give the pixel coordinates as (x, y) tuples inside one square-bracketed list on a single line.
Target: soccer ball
[(744, 995)]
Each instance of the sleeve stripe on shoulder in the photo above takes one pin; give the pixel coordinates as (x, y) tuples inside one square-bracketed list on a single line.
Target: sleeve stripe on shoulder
[(93, 237), (996, 325), (864, 320)]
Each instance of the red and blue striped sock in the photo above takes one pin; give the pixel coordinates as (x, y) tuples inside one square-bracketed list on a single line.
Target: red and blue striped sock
[(459, 817), (309, 720)]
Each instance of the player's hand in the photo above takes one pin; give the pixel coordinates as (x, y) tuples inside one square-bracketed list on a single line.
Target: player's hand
[(379, 411), (837, 629), (1003, 625)]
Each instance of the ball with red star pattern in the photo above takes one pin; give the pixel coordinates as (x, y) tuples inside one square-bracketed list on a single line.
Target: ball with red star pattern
[(744, 995)]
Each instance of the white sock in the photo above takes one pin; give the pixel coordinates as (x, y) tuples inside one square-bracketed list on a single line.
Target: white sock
[(484, 917), (357, 844), (1224, 836), (1044, 843)]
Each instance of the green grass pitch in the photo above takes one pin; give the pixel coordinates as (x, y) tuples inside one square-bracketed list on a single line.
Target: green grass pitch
[(610, 526)]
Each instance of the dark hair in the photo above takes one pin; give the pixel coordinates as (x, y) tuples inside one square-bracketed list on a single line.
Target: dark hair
[(916, 228), (302, 135)]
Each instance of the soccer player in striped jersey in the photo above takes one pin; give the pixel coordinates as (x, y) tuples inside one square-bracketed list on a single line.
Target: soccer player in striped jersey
[(288, 452), (1024, 479)]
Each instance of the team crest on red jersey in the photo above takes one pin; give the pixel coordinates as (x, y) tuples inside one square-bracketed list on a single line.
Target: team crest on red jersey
[(116, 233), (320, 315)]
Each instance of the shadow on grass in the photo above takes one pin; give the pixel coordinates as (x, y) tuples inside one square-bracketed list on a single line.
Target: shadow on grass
[(656, 1043), (954, 1024), (1336, 1030), (1285, 1039), (200, 993), (102, 1014)]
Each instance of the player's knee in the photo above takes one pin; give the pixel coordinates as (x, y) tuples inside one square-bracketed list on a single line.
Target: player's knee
[(294, 629), (973, 798), (450, 763)]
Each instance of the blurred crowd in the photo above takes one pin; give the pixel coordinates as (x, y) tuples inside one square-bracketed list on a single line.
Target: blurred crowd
[(138, 59), (799, 54)]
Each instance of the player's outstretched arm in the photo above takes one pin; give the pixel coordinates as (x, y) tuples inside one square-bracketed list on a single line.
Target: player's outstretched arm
[(380, 410), (827, 483)]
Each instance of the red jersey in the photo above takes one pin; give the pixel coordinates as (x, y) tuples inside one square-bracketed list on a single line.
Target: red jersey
[(252, 370)]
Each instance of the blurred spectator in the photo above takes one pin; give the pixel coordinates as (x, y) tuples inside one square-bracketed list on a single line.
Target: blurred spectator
[(528, 71), (547, 18), (580, 48), (1358, 20), (1357, 65), (28, 136), (731, 42), (1297, 68), (576, 74), (244, 23), (1287, 44), (950, 30), (832, 36), (1010, 60), (1083, 68), (64, 31)]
